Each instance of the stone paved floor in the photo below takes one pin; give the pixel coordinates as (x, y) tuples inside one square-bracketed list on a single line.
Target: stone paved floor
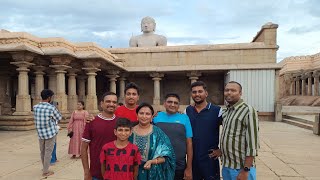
[(287, 152)]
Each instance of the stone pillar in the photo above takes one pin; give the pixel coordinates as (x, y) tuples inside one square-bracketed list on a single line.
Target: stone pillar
[(72, 90), (316, 75), (193, 76), (297, 80), (309, 76), (82, 87), (113, 75), (39, 83), (60, 95), (52, 80), (156, 77), (121, 89), (304, 85), (23, 100), (293, 87), (91, 99)]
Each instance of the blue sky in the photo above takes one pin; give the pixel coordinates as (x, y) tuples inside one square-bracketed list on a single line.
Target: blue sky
[(183, 22)]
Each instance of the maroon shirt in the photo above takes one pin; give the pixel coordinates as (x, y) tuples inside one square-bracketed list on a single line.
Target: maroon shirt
[(97, 133)]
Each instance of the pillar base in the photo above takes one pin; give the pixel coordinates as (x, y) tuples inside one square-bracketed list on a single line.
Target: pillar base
[(62, 100), (23, 105), (92, 104), (17, 123), (72, 102)]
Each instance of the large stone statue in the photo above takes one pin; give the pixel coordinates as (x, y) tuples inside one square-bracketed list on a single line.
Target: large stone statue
[(148, 38)]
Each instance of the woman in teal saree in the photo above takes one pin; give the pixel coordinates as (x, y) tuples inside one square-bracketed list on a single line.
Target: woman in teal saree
[(158, 159)]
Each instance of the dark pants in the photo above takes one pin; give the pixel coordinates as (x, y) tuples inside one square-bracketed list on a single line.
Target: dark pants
[(207, 169), (179, 175)]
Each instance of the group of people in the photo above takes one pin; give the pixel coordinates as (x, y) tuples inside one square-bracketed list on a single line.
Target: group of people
[(133, 142)]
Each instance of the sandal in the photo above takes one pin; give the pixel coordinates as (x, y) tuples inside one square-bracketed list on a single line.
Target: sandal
[(49, 173)]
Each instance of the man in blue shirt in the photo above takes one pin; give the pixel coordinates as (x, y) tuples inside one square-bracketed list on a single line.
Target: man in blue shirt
[(46, 118), (205, 120), (178, 129)]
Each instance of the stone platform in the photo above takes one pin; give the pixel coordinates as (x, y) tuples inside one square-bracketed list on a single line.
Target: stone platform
[(287, 152)]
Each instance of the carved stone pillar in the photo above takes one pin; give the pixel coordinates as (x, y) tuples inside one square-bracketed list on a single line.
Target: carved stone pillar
[(23, 100), (309, 76), (91, 99), (82, 87), (113, 75), (193, 76), (61, 65), (122, 84), (304, 85), (316, 75), (52, 80), (156, 77), (72, 90), (39, 83), (297, 80)]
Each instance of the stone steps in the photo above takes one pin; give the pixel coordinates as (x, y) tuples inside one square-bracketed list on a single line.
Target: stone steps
[(303, 123)]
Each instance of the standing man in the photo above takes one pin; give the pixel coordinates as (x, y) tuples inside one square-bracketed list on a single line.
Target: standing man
[(46, 118), (240, 136), (128, 110), (205, 120), (96, 134), (178, 128)]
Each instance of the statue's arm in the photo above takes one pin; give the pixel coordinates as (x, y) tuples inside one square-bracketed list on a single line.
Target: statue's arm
[(162, 41), (133, 42)]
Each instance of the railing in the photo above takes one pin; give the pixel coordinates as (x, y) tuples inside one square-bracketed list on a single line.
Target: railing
[(282, 111)]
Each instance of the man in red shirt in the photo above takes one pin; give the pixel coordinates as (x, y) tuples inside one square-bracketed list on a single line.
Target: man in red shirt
[(128, 110), (96, 134)]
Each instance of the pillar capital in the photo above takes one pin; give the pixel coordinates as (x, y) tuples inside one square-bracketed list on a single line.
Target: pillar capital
[(112, 77), (23, 56), (288, 77), (60, 68), (91, 71), (91, 64), (316, 74), (156, 75), (308, 74), (193, 74), (61, 60), (22, 66), (72, 72), (39, 69)]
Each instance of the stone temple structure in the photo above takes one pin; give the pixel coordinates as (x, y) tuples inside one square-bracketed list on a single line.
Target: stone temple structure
[(84, 71)]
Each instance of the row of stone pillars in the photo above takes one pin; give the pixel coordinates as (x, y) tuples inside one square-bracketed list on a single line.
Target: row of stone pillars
[(301, 84), (67, 103)]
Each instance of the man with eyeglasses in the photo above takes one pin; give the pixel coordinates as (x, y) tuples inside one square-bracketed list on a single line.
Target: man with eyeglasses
[(178, 128)]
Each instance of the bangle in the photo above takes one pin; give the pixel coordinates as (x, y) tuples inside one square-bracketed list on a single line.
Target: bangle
[(156, 160)]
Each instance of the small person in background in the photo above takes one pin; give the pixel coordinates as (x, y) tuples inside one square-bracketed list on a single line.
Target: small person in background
[(54, 152), (75, 129)]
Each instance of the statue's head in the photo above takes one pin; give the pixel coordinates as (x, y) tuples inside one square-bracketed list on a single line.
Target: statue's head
[(148, 24)]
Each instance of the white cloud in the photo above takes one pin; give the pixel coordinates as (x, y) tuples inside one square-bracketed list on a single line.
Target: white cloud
[(112, 23)]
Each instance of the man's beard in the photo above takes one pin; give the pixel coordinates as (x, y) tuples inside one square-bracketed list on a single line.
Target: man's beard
[(198, 102)]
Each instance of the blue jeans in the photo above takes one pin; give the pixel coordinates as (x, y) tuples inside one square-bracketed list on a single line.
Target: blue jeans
[(94, 178), (54, 154), (231, 174)]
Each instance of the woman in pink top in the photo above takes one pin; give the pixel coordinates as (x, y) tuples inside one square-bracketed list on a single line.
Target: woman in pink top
[(76, 125)]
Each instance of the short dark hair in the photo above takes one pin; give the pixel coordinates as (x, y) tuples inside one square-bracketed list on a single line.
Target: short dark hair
[(46, 93), (132, 85), (199, 83), (107, 94), (145, 105), (172, 95), (235, 82), (123, 122)]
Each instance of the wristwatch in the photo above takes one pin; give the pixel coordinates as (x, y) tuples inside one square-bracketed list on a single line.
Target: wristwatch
[(246, 169)]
